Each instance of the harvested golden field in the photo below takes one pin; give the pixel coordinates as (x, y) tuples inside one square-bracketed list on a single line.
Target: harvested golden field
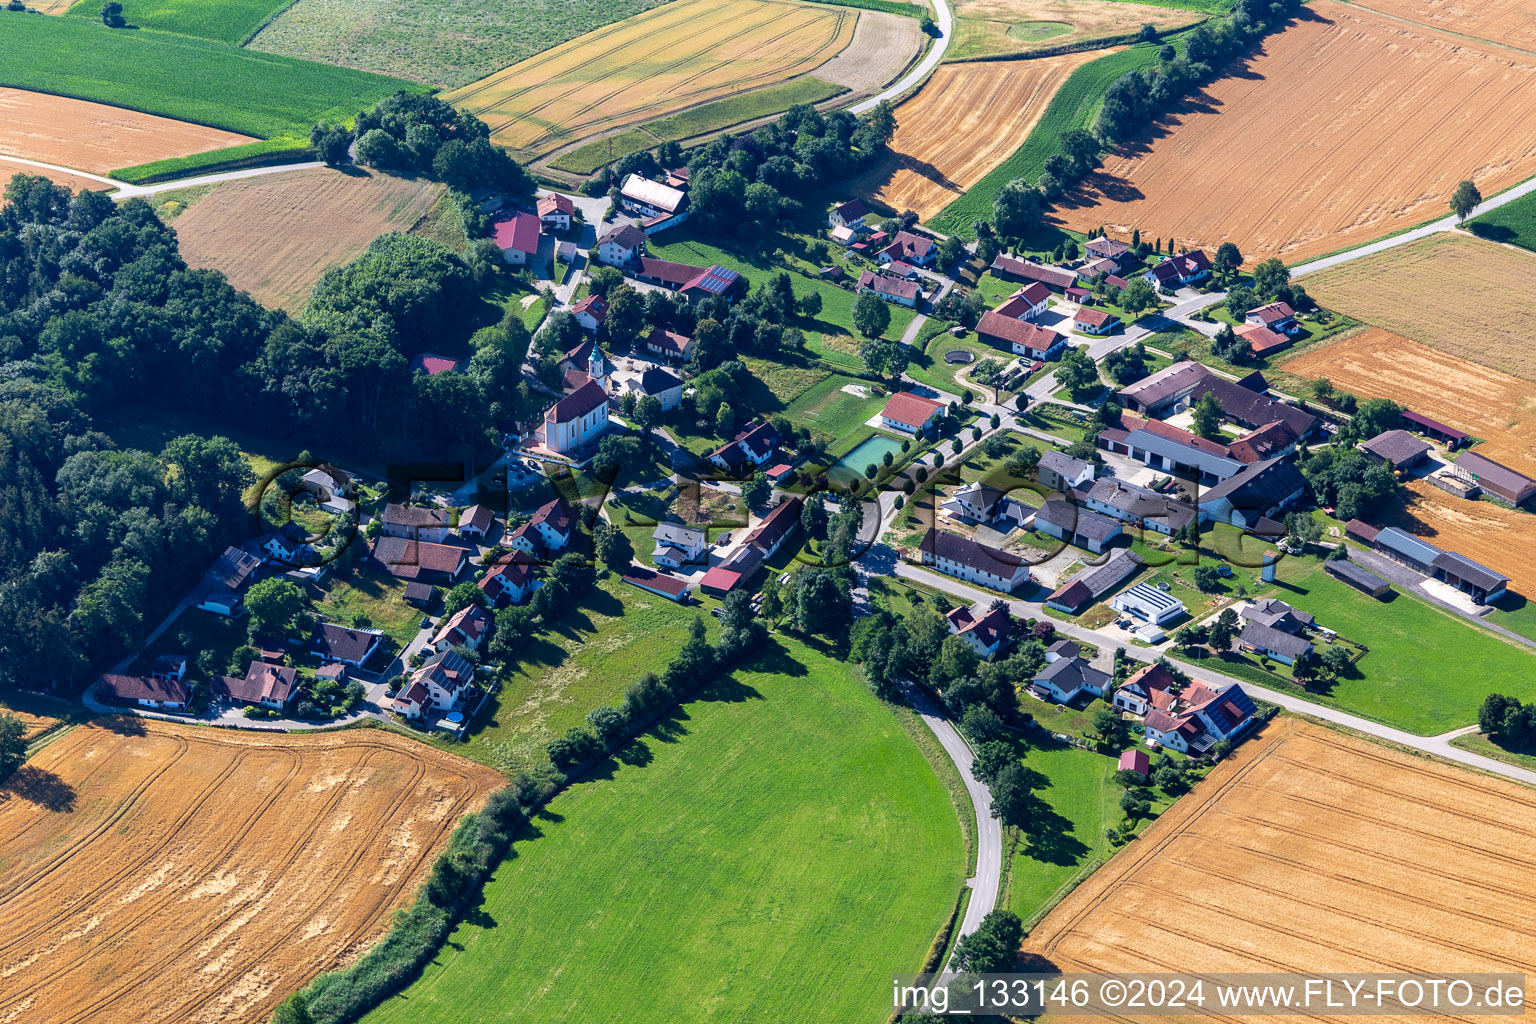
[(1485, 403), (74, 182), (672, 57), (1462, 295), (97, 137), (158, 872), (1313, 852), (883, 46), (965, 121), (37, 714), (986, 28), (1349, 126), (1512, 22), (274, 237)]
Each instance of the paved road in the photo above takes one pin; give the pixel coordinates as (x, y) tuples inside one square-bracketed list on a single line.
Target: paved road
[(916, 75), (1440, 745), (989, 831)]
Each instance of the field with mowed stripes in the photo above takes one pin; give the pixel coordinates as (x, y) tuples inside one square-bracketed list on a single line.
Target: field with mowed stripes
[(1310, 851), (668, 59), (157, 872)]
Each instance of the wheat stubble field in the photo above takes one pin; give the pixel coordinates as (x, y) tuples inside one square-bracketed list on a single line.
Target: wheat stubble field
[(1312, 851), (156, 872), (965, 121), (1348, 126)]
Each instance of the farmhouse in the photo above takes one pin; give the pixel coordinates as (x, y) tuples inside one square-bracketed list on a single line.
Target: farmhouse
[(1136, 506), (1092, 584), (1244, 402), (1185, 268), (958, 556), (1395, 449), (910, 413), (1012, 268), (776, 527), (1020, 336), (1276, 614), (419, 560), (1495, 479), (848, 215), (145, 691), (590, 312), (658, 384), (416, 522), (1026, 303), (577, 420), (1277, 316), (621, 245), (678, 545), (668, 344), (1270, 441), (890, 288), (1080, 527), (1205, 717), (1181, 453), (556, 211), (349, 645), (476, 521), (1094, 321), (977, 501), (1062, 472), (909, 248), (650, 198), (1482, 584), (1270, 642), (1103, 248), (1261, 340), (264, 685), (754, 446), (510, 580), (658, 583), (518, 236), (987, 634), (466, 628), (693, 283), (1262, 490), (1149, 604)]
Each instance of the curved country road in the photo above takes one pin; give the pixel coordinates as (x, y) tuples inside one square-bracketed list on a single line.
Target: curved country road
[(945, 22)]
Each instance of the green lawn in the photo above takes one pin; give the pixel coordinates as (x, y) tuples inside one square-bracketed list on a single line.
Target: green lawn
[(178, 76), (831, 410), (695, 121), (753, 858), (1514, 223), (1477, 743), (446, 43), (589, 659), (1075, 105), (229, 21), (1427, 670), (362, 588)]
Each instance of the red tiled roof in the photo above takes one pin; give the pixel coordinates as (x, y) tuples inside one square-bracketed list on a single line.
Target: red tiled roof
[(776, 524), (578, 403), (262, 682), (593, 305), (669, 341), (885, 284), (1135, 761), (720, 579), (1093, 317), (424, 362), (1261, 339), (142, 688), (407, 559), (1184, 437), (519, 231), (1017, 332), (478, 516), (647, 579), (1266, 442), (556, 203), (1057, 277), (553, 513), (1073, 595), (468, 625), (913, 410)]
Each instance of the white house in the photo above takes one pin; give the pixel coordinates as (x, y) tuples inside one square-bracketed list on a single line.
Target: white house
[(1147, 603), (440, 683), (1026, 303), (622, 244), (658, 384), (650, 198), (518, 236), (145, 691), (287, 543), (577, 420), (678, 545), (466, 627), (910, 413), (1062, 472), (556, 211), (349, 645), (416, 522), (977, 563), (549, 529), (1066, 676), (509, 581), (987, 634), (978, 500), (590, 312), (848, 215)]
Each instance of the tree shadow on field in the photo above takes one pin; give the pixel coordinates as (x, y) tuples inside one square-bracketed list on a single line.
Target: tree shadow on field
[(39, 786), (1493, 232)]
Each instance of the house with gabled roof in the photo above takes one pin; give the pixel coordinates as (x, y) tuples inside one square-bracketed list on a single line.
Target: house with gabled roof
[(416, 522), (650, 198), (1077, 526), (1026, 303), (556, 211), (968, 560), (465, 628), (1012, 268), (621, 245), (668, 344), (1151, 687), (1277, 316), (753, 447), (419, 559), (350, 645), (1021, 337), (590, 312), (264, 685), (987, 633), (510, 579), (910, 412), (1067, 676), (518, 236), (1185, 268), (445, 682), (848, 215), (909, 248), (891, 288), (145, 691), (678, 544)]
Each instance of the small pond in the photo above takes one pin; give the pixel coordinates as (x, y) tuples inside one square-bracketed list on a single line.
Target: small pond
[(871, 450)]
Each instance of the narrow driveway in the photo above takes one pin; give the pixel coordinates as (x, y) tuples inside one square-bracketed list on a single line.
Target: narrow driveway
[(916, 75), (989, 831)]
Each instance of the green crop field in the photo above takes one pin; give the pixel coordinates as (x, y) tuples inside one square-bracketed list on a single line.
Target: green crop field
[(700, 120), (447, 43), (177, 76), (229, 21), (768, 854), (1515, 223), (1076, 105)]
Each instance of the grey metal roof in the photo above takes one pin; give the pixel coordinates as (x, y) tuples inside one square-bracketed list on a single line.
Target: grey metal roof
[(1080, 521), (1151, 597), (1168, 448), (1473, 572), (1062, 464), (1271, 639), (1408, 545), (679, 534)]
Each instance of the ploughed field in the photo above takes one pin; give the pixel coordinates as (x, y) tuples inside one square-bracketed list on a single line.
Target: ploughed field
[(155, 872), (1512, 22), (965, 121), (676, 56), (1309, 851), (1348, 126), (1463, 296), (275, 236)]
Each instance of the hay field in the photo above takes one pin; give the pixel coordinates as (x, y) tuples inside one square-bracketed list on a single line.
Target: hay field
[(965, 121), (1512, 22), (96, 137), (1310, 851), (1485, 403), (1464, 296), (883, 46), (678, 55), (157, 872), (989, 27), (274, 237), (1349, 126)]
